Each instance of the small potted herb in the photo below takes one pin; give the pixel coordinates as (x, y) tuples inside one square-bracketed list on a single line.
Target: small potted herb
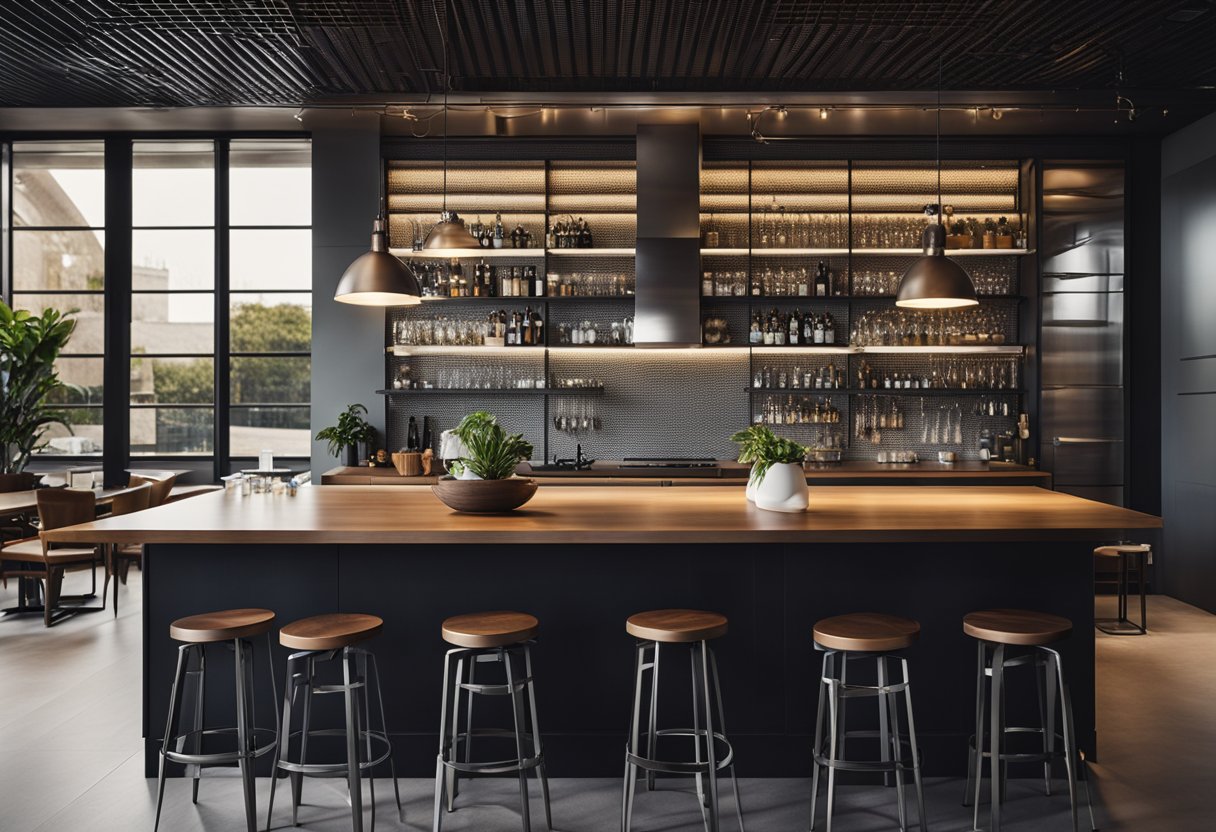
[(345, 437), (777, 481), (1004, 233), (959, 237), (989, 233), (484, 480)]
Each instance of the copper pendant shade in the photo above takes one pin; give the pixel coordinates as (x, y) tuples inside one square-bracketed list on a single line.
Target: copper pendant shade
[(378, 278), (935, 281), (449, 233)]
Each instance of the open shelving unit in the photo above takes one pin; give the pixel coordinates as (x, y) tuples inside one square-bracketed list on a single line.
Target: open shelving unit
[(862, 219)]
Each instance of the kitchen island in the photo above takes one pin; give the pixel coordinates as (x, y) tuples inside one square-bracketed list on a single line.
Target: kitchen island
[(583, 559)]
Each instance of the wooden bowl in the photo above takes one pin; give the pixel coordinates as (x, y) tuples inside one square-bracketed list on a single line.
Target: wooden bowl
[(484, 496)]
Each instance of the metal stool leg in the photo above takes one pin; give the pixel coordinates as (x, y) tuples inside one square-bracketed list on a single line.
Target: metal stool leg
[(450, 773), (444, 741), (980, 713), (914, 749), (818, 747), (517, 702), (365, 728), (183, 655), (537, 748), (734, 781), (352, 744), (392, 768), (888, 711), (1049, 689), (652, 739), (710, 744), (297, 778), (997, 731), (244, 733), (702, 796), (631, 773), (283, 749), (833, 726), (199, 717)]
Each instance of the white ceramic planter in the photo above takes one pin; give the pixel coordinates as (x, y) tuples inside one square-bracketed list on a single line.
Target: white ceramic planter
[(750, 492), (783, 488)]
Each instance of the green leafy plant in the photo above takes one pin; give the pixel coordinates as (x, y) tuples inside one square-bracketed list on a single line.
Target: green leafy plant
[(764, 449), (492, 452), (29, 345), (958, 228), (989, 225), (351, 429)]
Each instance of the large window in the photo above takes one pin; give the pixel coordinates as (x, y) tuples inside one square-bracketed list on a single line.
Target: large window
[(220, 281), (270, 300), (173, 298), (58, 251)]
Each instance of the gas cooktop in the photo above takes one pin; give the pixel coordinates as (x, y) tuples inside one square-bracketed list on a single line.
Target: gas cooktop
[(668, 462)]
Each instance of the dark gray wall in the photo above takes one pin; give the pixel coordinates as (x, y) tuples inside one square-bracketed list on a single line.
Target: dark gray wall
[(1188, 363), (346, 340)]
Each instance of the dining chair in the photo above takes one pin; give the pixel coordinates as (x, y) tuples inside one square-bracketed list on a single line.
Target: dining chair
[(48, 562), (161, 487), (121, 555)]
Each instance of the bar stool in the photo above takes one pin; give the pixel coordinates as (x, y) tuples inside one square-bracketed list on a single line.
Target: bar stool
[(872, 637), (1143, 554), (711, 749), (995, 632), (236, 627), (323, 638), (489, 638)]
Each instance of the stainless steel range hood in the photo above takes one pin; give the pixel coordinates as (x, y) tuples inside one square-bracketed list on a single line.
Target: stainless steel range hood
[(667, 306)]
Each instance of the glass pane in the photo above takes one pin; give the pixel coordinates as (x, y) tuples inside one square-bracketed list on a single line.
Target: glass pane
[(84, 378), (270, 182), (262, 380), (284, 430), (172, 380), (89, 336), (270, 323), (177, 260), (83, 438), (172, 430), (173, 183), (59, 260), (271, 259), (177, 323), (59, 184)]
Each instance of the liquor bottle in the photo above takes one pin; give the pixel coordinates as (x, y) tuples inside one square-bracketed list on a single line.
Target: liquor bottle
[(491, 275), (780, 330), (455, 278), (517, 282), (808, 329), (538, 337), (512, 332), (411, 435), (478, 279), (584, 234), (819, 331), (756, 334), (526, 327), (823, 286), (428, 433), (538, 282), (804, 288), (829, 330), (795, 327), (498, 232)]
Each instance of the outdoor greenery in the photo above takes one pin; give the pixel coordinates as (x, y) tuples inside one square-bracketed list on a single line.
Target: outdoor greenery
[(760, 446), (29, 345), (493, 453)]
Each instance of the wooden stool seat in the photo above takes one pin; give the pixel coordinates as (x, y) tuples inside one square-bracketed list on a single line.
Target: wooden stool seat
[(866, 632), (221, 626), (1019, 627), (676, 626), (1116, 549), (481, 630), (330, 632), (30, 551)]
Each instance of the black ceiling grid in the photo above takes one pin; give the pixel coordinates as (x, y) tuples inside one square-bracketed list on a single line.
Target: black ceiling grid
[(292, 52)]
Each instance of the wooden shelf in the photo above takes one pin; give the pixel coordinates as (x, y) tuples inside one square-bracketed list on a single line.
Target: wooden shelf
[(462, 253), (950, 252), (454, 349), (496, 391), (591, 252), (961, 349), (812, 349)]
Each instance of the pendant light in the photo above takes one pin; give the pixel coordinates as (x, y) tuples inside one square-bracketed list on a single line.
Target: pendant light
[(378, 278), (935, 281), (450, 232)]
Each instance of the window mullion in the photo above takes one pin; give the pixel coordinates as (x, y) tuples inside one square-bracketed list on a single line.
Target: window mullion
[(222, 324)]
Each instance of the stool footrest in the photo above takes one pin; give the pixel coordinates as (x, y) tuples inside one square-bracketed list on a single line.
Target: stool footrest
[(495, 767), (341, 769), (219, 757), (674, 767)]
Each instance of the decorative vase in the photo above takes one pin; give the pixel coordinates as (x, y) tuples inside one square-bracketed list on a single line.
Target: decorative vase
[(484, 496), (783, 488), (352, 456), (750, 491)]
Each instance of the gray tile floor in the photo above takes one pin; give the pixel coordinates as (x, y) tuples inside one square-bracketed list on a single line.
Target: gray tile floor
[(70, 754)]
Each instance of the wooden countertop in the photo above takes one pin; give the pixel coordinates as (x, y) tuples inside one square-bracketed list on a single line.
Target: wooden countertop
[(608, 472), (621, 514)]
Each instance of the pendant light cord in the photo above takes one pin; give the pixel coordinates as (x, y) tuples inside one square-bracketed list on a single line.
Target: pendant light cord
[(939, 139), (446, 84)]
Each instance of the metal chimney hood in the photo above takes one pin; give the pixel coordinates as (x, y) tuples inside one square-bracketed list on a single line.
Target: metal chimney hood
[(667, 302)]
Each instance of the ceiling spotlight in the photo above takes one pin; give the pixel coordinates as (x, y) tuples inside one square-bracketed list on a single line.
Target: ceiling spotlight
[(299, 116), (823, 113), (997, 115), (782, 113)]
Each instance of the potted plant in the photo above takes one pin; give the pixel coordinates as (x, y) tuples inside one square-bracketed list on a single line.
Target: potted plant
[(958, 236), (484, 480), (777, 481), (344, 438), (1004, 233), (989, 233), (29, 345)]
